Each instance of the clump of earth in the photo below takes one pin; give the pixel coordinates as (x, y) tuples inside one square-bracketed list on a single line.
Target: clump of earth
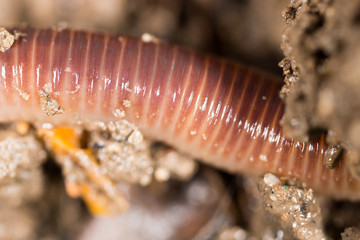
[(322, 78)]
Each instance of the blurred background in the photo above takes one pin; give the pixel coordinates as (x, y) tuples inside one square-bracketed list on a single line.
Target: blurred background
[(240, 29)]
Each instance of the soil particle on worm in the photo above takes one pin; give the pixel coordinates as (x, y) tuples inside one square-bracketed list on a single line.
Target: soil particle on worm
[(48, 104), (332, 156), (6, 39)]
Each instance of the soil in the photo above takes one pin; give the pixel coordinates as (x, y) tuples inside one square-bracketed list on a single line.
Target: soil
[(322, 86)]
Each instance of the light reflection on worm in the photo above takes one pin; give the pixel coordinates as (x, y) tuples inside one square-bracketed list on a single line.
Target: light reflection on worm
[(218, 111)]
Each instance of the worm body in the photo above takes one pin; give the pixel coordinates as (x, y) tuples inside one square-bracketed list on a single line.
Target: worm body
[(216, 110)]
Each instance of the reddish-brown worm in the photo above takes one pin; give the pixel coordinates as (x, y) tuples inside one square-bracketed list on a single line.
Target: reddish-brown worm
[(216, 110)]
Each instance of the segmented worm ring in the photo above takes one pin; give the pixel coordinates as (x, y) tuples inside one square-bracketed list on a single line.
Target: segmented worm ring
[(216, 110)]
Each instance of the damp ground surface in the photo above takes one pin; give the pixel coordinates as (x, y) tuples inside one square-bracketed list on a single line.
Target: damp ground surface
[(170, 195)]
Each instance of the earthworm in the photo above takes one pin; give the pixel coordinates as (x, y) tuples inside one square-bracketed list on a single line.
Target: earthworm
[(216, 110)]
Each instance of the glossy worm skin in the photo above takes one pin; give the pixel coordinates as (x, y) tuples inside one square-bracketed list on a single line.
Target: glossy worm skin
[(218, 111)]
